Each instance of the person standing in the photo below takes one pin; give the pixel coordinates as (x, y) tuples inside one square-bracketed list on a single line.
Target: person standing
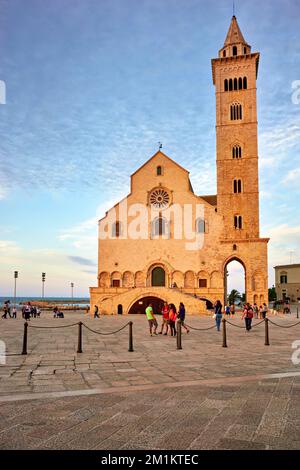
[(232, 310), (14, 312), (96, 310), (151, 319), (255, 310), (264, 310), (218, 314), (4, 311), (165, 319), (27, 311), (248, 316), (181, 316), (172, 319), (227, 310)]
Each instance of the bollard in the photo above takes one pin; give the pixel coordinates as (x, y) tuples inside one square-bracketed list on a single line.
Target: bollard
[(79, 349), (267, 342), (25, 338), (130, 349), (178, 336), (224, 345), (297, 312)]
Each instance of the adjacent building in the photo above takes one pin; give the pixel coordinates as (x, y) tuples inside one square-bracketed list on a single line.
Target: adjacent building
[(287, 282)]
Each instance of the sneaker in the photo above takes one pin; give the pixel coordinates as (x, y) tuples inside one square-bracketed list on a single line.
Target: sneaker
[(151, 334), (165, 334), (188, 331), (160, 333)]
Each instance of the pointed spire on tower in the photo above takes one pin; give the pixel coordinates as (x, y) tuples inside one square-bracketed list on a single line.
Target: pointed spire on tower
[(234, 35)]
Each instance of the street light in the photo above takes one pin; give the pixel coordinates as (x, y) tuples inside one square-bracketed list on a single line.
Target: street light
[(16, 275), (72, 287), (43, 285)]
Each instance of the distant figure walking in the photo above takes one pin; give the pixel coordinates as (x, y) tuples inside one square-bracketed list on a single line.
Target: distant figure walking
[(151, 319), (232, 310), (248, 316), (27, 311), (165, 319), (181, 316), (4, 311), (96, 310), (227, 310), (255, 310), (264, 310), (55, 311), (172, 319), (14, 312), (218, 314)]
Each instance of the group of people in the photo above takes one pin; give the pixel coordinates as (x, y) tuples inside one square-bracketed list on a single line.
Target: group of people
[(169, 318), (28, 311), (8, 311), (248, 313)]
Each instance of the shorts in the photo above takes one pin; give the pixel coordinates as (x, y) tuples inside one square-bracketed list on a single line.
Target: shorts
[(152, 323)]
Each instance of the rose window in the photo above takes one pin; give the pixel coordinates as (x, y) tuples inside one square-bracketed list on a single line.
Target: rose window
[(159, 198)]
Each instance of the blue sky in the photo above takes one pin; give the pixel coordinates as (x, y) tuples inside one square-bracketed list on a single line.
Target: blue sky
[(93, 85)]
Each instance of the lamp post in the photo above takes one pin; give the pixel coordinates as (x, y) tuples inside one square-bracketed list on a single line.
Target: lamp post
[(43, 285), (16, 275), (72, 287)]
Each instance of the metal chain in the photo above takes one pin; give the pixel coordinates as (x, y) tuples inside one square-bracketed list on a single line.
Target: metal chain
[(283, 326), (200, 329), (62, 326), (104, 334)]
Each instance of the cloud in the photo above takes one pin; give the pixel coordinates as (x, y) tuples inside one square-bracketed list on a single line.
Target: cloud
[(82, 261), (293, 176)]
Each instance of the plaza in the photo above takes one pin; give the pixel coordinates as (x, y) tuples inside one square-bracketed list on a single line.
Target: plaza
[(245, 396)]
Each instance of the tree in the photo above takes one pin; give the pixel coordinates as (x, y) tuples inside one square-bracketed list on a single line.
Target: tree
[(234, 296), (272, 294)]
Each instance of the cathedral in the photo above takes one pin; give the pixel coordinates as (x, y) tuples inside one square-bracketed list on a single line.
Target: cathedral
[(163, 242)]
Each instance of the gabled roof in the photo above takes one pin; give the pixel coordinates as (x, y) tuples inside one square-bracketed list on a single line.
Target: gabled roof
[(164, 155), (234, 35)]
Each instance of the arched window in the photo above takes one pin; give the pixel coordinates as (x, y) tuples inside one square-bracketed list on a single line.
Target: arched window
[(230, 85), (245, 50), (200, 225), (245, 83), (159, 171), (224, 53), (234, 247), (234, 50), (235, 112), (159, 226), (226, 85), (235, 84), (240, 83), (238, 222), (237, 186), (236, 151), (158, 277), (117, 229)]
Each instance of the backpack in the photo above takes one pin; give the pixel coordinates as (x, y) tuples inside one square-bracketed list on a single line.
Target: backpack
[(250, 313)]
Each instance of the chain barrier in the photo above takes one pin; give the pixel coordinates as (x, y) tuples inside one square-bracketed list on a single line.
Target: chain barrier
[(283, 326), (80, 325), (105, 334)]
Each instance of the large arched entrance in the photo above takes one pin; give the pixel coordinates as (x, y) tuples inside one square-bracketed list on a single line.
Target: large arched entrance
[(158, 277), (140, 305), (234, 282)]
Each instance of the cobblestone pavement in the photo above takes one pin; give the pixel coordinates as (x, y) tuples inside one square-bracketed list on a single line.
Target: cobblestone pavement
[(245, 396)]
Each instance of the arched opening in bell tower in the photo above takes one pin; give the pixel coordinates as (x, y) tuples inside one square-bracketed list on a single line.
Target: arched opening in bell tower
[(234, 282)]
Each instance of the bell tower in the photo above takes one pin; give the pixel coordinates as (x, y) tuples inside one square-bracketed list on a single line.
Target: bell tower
[(234, 76)]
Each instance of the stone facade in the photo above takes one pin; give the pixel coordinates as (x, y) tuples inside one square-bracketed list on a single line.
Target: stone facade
[(287, 282), (142, 254)]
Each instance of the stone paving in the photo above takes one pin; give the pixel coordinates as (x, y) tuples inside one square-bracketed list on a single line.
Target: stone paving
[(245, 396)]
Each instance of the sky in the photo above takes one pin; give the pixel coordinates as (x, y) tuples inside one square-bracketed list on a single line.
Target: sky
[(91, 88)]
